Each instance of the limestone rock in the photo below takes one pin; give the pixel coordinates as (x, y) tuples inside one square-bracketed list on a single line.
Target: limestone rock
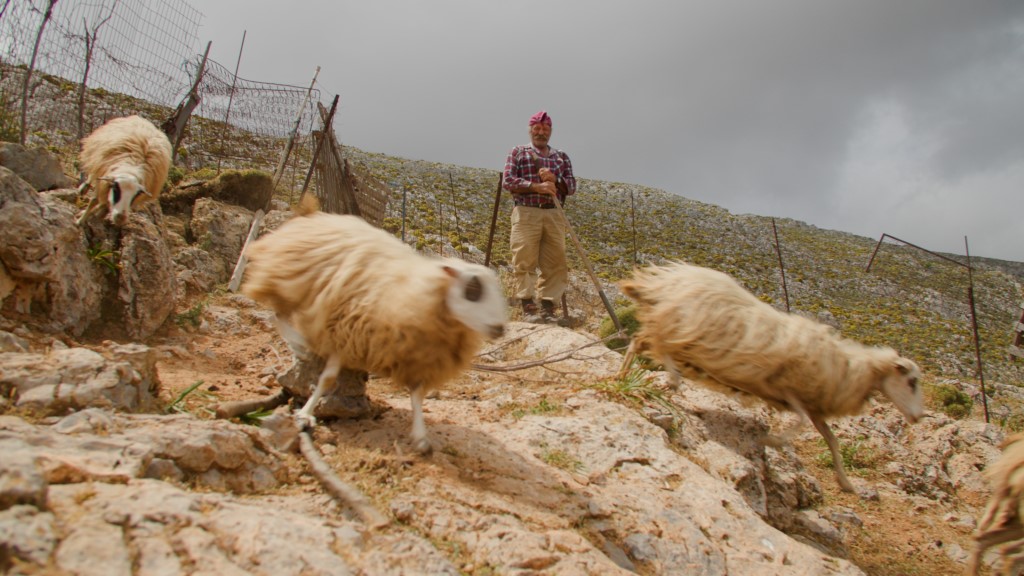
[(147, 286), (44, 255), (221, 230), (37, 166), (77, 378)]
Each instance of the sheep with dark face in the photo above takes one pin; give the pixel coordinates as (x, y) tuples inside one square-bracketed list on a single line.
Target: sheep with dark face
[(126, 162), (361, 299), (702, 322)]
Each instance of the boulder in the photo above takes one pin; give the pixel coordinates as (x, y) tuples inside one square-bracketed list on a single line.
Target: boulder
[(147, 284), (78, 378), (48, 278), (37, 166), (220, 229), (140, 284), (249, 189)]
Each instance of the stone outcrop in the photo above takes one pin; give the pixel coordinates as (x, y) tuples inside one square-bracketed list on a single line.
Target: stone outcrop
[(50, 279), (220, 229), (37, 166), (66, 379)]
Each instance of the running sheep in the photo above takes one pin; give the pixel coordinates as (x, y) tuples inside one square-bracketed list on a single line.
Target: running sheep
[(362, 300), (1001, 522), (126, 162), (702, 322)]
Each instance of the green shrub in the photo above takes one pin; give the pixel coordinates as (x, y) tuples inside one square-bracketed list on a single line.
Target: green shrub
[(174, 175), (627, 318), (858, 456), (953, 402), (1013, 423)]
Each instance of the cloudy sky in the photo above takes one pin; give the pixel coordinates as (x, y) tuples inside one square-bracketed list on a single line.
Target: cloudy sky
[(869, 116)]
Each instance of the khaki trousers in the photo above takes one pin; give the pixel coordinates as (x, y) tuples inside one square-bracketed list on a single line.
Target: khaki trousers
[(538, 241)]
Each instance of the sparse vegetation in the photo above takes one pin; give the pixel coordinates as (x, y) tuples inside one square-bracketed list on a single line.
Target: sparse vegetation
[(191, 317), (858, 456), (560, 459), (542, 407), (635, 388), (108, 259), (178, 404), (953, 402)]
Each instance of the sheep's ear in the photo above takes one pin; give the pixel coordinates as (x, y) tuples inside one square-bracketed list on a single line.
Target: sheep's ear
[(632, 291), (449, 270), (902, 368)]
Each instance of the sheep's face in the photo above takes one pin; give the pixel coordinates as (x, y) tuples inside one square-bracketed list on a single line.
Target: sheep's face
[(900, 384), (474, 297), (125, 190)]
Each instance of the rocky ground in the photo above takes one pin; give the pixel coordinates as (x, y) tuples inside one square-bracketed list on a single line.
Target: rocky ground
[(543, 463), (542, 470)]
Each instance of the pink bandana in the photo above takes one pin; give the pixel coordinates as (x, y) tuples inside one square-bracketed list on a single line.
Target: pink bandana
[(540, 118)]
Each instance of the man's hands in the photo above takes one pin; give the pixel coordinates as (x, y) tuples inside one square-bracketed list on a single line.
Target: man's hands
[(547, 185)]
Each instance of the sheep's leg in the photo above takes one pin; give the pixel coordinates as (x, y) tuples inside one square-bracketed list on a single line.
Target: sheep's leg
[(419, 427), (88, 210), (837, 458), (786, 436), (627, 360), (1012, 562), (292, 337), (326, 383), (674, 376), (994, 538)]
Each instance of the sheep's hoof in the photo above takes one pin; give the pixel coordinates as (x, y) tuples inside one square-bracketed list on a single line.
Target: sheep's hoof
[(305, 422), (422, 447)]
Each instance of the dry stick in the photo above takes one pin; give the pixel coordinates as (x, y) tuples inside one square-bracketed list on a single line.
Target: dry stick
[(339, 488), (90, 46), (243, 260), (564, 355), (28, 73), (494, 221), (586, 264), (254, 230), (227, 410), (319, 145)]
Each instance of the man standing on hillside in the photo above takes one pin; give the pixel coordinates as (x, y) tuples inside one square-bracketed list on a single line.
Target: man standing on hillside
[(538, 175)]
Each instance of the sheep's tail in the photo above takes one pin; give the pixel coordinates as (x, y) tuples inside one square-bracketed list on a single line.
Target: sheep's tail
[(307, 205)]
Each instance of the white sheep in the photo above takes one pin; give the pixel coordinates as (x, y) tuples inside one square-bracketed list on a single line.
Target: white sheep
[(1002, 522), (703, 322), (126, 162), (363, 300)]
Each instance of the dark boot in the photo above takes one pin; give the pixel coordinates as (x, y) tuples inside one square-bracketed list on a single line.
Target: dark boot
[(547, 309), (529, 308), (547, 312)]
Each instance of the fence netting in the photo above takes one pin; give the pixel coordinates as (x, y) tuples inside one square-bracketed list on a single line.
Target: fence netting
[(142, 57)]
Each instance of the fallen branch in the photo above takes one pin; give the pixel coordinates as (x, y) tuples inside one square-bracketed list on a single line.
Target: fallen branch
[(341, 491), (565, 355), (239, 407)]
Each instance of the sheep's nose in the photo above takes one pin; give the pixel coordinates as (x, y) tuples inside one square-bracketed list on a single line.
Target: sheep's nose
[(497, 331)]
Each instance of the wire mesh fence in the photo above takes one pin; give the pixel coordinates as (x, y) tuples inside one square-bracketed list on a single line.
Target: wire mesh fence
[(67, 67), (132, 48)]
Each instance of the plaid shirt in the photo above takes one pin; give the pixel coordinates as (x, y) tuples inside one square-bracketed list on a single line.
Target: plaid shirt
[(521, 170)]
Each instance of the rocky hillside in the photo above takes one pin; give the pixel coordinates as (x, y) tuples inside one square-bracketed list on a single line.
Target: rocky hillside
[(910, 299), (117, 346)]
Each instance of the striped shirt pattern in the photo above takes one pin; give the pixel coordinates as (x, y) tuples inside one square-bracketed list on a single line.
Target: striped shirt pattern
[(521, 168)]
